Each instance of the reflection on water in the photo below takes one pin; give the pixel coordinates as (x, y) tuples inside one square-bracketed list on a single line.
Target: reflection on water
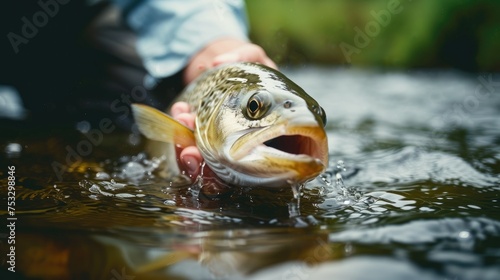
[(412, 191), (143, 253)]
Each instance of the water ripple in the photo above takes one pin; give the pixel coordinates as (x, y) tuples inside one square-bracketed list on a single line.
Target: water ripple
[(424, 231), (412, 164)]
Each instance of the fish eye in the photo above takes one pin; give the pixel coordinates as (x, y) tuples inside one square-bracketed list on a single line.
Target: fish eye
[(253, 106), (257, 106)]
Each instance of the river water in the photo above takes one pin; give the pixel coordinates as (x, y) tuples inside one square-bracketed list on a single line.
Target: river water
[(412, 192)]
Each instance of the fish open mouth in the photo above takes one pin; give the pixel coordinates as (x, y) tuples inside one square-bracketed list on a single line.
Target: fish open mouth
[(295, 145), (281, 154), (305, 144)]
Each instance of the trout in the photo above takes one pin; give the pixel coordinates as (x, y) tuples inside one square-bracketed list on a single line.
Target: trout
[(254, 126)]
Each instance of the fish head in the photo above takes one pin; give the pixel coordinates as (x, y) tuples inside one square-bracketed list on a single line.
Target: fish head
[(270, 131)]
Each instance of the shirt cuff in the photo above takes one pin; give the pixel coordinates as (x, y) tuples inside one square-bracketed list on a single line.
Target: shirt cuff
[(171, 32)]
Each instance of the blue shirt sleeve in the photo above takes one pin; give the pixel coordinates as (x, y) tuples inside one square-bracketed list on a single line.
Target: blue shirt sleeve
[(170, 32)]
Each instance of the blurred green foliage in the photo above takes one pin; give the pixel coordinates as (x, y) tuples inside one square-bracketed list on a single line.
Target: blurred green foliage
[(463, 34)]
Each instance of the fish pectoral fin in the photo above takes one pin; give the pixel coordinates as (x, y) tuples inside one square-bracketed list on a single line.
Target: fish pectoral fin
[(159, 126)]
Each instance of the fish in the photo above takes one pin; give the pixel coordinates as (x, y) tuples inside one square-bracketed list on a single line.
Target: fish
[(254, 127)]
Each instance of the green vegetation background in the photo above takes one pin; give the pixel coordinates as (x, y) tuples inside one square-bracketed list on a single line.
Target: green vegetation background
[(463, 34)]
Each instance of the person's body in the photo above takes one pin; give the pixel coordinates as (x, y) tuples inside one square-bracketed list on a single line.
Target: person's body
[(71, 61)]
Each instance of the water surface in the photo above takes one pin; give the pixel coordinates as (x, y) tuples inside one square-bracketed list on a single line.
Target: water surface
[(412, 192)]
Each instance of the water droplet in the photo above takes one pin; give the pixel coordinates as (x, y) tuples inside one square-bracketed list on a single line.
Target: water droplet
[(339, 182), (134, 139), (133, 170), (294, 205), (102, 176), (95, 189), (464, 234), (293, 209), (83, 126), (296, 189), (169, 202), (13, 150), (348, 249)]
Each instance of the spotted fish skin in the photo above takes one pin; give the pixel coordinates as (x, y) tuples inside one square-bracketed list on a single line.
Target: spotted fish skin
[(254, 126), (213, 97)]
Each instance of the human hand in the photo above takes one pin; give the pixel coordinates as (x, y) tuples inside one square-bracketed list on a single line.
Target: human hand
[(225, 51), (216, 53)]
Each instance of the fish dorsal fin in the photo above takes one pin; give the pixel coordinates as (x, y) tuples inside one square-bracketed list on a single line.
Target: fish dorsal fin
[(159, 126)]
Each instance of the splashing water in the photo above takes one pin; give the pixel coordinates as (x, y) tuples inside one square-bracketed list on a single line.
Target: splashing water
[(294, 205)]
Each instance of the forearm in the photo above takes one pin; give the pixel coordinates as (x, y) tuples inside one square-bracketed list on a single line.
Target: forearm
[(170, 33)]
